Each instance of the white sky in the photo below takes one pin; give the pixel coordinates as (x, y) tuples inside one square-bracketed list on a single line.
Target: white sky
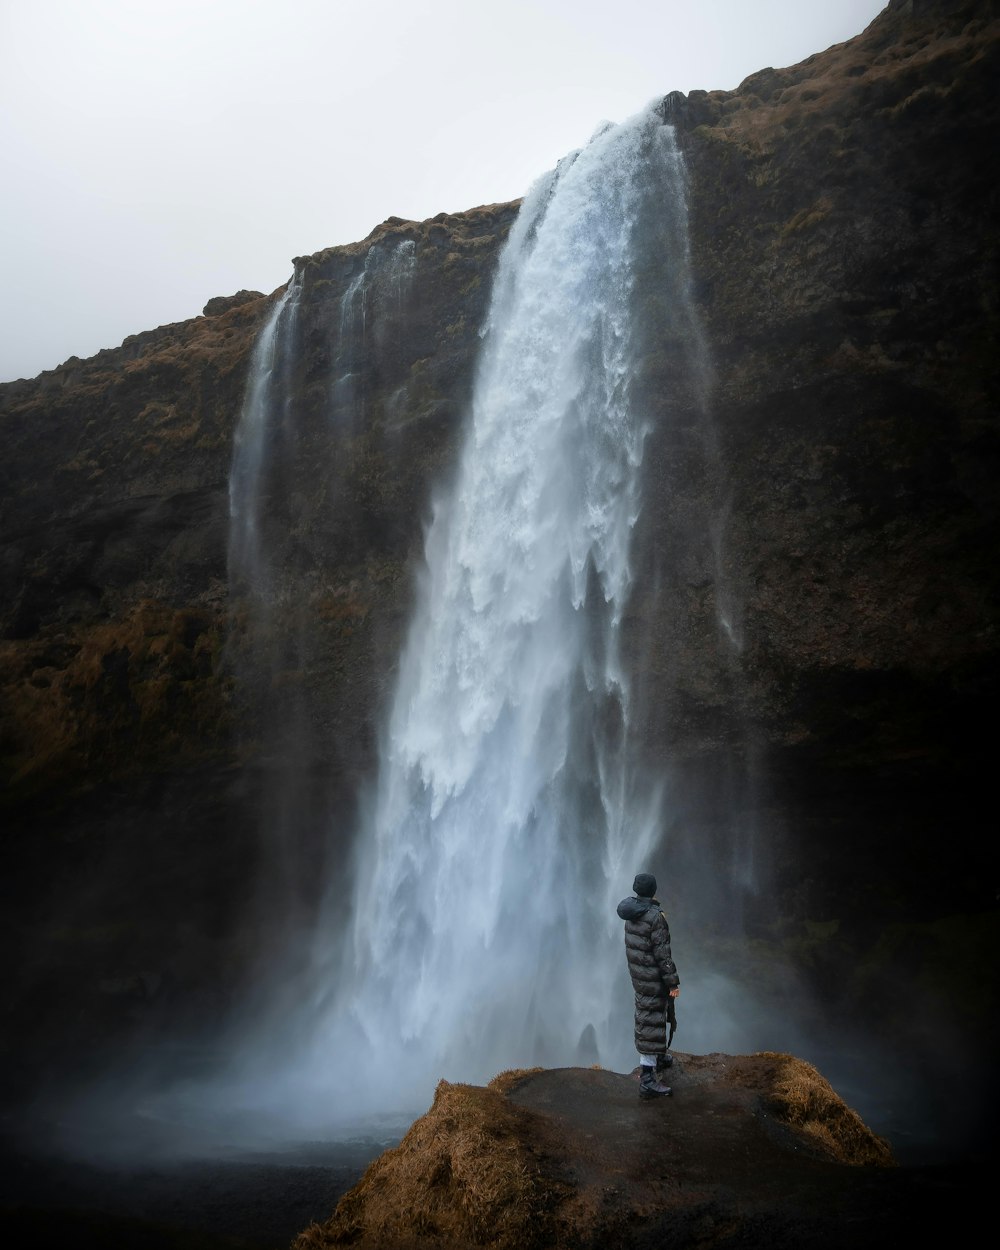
[(158, 152)]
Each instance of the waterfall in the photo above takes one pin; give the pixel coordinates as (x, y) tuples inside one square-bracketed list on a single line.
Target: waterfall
[(267, 429), (371, 310), (265, 403), (508, 818), (281, 567), (268, 636), (387, 273)]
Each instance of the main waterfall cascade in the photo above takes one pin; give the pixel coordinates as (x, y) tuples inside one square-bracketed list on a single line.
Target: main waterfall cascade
[(512, 803), (509, 817)]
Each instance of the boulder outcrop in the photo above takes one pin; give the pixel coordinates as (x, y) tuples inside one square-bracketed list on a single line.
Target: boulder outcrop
[(751, 1150)]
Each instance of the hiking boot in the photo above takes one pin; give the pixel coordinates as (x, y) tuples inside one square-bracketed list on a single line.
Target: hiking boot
[(663, 1062), (650, 1087)]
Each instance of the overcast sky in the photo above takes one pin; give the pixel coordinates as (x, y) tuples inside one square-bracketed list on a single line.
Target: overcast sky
[(159, 152)]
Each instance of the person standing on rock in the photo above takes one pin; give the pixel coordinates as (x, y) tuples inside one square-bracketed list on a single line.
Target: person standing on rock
[(654, 979)]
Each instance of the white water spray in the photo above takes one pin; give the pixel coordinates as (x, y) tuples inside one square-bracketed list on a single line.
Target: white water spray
[(371, 309), (508, 821), (266, 398), (386, 275)]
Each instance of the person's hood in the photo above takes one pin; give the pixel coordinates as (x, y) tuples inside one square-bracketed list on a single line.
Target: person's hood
[(633, 908)]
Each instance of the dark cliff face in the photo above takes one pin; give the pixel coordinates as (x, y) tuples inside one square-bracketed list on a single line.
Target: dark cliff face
[(115, 500), (839, 497), (845, 249), (813, 623), (153, 724)]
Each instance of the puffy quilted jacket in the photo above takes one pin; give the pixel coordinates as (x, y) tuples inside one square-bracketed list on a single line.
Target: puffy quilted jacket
[(647, 949)]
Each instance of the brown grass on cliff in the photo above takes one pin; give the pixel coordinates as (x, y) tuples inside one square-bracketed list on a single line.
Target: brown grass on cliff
[(109, 697), (466, 1174), (795, 1093)]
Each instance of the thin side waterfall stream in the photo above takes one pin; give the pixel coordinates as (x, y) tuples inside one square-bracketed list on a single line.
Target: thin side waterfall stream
[(267, 396)]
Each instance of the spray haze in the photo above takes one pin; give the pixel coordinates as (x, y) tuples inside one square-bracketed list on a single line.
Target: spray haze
[(507, 808)]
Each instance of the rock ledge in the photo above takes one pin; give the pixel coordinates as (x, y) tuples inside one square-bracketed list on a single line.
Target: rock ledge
[(752, 1150)]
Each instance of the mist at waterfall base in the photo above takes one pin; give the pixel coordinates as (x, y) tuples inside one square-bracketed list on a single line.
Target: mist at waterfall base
[(472, 927)]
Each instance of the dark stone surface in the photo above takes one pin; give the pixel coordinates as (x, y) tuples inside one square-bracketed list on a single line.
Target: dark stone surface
[(710, 1167), (222, 303)]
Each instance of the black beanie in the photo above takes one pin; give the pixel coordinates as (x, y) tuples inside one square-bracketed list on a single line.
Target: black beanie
[(644, 885)]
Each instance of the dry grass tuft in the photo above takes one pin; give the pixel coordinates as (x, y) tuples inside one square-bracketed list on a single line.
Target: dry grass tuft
[(796, 1093), (466, 1174), (507, 1081)]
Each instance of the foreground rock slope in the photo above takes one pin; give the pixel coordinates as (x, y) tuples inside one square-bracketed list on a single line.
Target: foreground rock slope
[(751, 1151)]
